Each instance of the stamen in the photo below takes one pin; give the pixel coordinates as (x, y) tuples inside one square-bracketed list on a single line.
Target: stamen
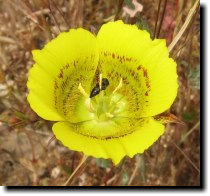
[(100, 80), (118, 87), (88, 103), (108, 114), (82, 90)]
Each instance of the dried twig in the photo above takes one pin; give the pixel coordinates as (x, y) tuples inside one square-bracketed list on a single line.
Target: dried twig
[(161, 20), (184, 26), (188, 159), (84, 158), (190, 131), (7, 40), (134, 171), (156, 22)]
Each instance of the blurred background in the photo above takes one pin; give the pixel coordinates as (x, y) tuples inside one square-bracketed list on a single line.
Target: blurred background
[(27, 159)]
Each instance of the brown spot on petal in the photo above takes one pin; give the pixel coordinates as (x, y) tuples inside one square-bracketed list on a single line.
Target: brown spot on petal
[(145, 73), (109, 75), (67, 66), (55, 85), (128, 59), (61, 74), (139, 67), (146, 77), (107, 137)]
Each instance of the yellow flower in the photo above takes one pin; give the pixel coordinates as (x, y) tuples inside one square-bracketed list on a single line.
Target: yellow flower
[(104, 90)]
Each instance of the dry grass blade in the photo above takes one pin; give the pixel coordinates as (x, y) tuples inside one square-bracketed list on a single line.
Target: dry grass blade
[(27, 12), (84, 158), (120, 4), (184, 26), (7, 40), (190, 131), (162, 17), (50, 141), (156, 21), (134, 171), (188, 159)]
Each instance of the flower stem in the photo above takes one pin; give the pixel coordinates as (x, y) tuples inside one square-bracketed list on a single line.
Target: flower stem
[(84, 158)]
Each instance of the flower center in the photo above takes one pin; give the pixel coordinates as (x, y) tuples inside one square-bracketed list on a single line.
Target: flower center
[(104, 107), (108, 107), (104, 113)]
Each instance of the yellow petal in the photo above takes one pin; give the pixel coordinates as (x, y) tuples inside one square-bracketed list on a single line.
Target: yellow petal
[(59, 67), (41, 94), (114, 148), (149, 75)]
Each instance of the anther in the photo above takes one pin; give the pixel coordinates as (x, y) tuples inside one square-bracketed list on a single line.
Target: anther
[(102, 85), (95, 91), (105, 83)]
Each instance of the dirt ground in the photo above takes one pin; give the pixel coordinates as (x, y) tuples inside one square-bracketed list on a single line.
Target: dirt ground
[(26, 159)]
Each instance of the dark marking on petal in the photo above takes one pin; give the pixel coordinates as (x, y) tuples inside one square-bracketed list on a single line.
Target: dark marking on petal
[(67, 66), (61, 74), (145, 73), (133, 73), (113, 55), (139, 67), (55, 85), (109, 74), (146, 78), (128, 59), (107, 137), (147, 83)]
